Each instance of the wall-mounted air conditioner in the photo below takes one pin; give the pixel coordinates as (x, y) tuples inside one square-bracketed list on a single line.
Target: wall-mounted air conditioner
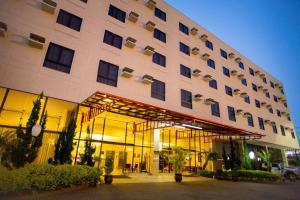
[(205, 56), (49, 6), (207, 77), (150, 26), (194, 31), (133, 17), (36, 41), (151, 4), (196, 72), (209, 101), (147, 79), (203, 37), (130, 42), (198, 97), (127, 72), (195, 51), (149, 51), (3, 29)]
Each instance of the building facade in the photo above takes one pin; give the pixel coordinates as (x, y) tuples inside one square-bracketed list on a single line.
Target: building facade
[(142, 76)]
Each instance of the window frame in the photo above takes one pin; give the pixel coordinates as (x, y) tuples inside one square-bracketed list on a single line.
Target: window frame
[(159, 59), (215, 109), (184, 48), (116, 13), (160, 14), (185, 71), (160, 35), (184, 29), (231, 113), (187, 103), (113, 39), (105, 78), (66, 19), (156, 86)]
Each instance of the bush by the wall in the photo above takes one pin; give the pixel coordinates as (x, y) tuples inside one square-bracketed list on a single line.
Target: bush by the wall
[(206, 173), (45, 177)]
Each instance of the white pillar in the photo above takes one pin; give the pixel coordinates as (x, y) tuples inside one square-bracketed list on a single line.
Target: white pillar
[(156, 152)]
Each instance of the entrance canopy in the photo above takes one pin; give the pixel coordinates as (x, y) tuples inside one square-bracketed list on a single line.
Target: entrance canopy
[(156, 117)]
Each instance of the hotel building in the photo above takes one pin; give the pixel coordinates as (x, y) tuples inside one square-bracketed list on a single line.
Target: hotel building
[(142, 76)]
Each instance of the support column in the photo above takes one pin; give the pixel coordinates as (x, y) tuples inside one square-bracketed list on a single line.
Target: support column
[(156, 152), (284, 158)]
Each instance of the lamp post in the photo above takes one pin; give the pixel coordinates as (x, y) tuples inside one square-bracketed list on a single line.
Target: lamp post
[(36, 130), (251, 155)]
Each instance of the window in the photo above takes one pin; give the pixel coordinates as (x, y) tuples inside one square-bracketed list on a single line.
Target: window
[(223, 53), (261, 123), (84, 1), (226, 71), (278, 113), (215, 109), (293, 134), (209, 45), (282, 130), (257, 103), (159, 59), (247, 99), (267, 94), (108, 73), (159, 35), (265, 80), (254, 87), (241, 65), (113, 39), (59, 58), (184, 48), (186, 99), (211, 63), (183, 28), (228, 90), (69, 20), (185, 71), (289, 118), (158, 90), (250, 120), (213, 84), (160, 14), (274, 127), (285, 105), (271, 110), (275, 98), (282, 91), (244, 81), (231, 113), (251, 71), (272, 84), (117, 13)]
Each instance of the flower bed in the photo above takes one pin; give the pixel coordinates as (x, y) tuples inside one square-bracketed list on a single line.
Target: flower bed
[(46, 177)]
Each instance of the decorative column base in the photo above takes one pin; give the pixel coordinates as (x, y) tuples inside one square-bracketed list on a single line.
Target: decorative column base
[(156, 163)]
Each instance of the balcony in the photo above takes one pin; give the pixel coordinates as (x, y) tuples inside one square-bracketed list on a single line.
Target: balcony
[(36, 41), (231, 55), (3, 29), (147, 79), (209, 101), (194, 31), (127, 72), (195, 51), (203, 37), (207, 77), (49, 6), (149, 51), (233, 72), (198, 97), (150, 26), (130, 42), (196, 72), (133, 17), (151, 4), (238, 60), (205, 56)]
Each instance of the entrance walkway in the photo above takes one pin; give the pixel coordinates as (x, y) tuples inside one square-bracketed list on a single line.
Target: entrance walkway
[(146, 178)]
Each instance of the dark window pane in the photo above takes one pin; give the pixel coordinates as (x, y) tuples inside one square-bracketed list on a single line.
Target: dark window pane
[(69, 20), (257, 103), (261, 123), (159, 35), (113, 39), (186, 99), (160, 14), (184, 48), (185, 71), (231, 113), (213, 84), (241, 65), (228, 90), (159, 59), (158, 90), (117, 13), (247, 99), (211, 63), (209, 44), (108, 73), (274, 127), (215, 109), (282, 130), (183, 28), (223, 53), (254, 87), (251, 71), (244, 82), (250, 120), (226, 71)]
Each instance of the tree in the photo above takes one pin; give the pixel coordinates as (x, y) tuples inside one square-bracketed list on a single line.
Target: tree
[(64, 144), (246, 157), (177, 158), (225, 159), (8, 143), (212, 156), (89, 150), (266, 158), (234, 160)]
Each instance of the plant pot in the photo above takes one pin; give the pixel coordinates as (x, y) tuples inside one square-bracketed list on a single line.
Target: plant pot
[(108, 179), (178, 178)]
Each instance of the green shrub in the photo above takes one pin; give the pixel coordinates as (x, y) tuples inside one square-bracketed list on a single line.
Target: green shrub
[(46, 177), (206, 173)]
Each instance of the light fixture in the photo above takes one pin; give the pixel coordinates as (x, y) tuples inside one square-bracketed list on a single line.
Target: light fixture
[(259, 159), (178, 126), (36, 130), (251, 155), (107, 100), (192, 126)]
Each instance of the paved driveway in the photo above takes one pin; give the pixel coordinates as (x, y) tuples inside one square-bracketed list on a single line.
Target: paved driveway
[(203, 189)]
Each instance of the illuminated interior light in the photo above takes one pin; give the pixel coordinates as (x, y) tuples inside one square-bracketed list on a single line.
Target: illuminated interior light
[(192, 126), (107, 100)]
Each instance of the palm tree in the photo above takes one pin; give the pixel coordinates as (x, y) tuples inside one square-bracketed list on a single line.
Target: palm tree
[(212, 156), (266, 158)]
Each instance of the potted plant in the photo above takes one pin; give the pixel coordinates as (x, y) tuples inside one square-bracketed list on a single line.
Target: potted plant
[(177, 158), (109, 165)]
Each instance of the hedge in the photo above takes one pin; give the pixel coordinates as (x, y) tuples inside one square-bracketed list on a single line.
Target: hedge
[(242, 175), (45, 177)]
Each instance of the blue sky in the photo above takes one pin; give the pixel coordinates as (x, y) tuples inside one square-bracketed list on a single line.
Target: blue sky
[(265, 31)]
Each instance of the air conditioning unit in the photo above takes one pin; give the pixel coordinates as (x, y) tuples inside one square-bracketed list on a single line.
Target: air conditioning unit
[(263, 103), (194, 31), (277, 85), (243, 94), (283, 113), (151, 4), (239, 111), (147, 79), (127, 72), (205, 56), (231, 55), (150, 26), (257, 72), (133, 17), (268, 106), (268, 121), (209, 101), (203, 37), (3, 29), (241, 76), (207, 77), (196, 72), (195, 51), (49, 6), (272, 123), (149, 51), (280, 98), (238, 60), (36, 41), (280, 87), (236, 91), (262, 75), (265, 90), (233, 72), (287, 128), (130, 42), (198, 97), (260, 87), (247, 114)]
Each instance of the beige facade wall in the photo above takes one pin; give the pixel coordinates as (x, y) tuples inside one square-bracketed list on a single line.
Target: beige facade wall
[(21, 66)]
